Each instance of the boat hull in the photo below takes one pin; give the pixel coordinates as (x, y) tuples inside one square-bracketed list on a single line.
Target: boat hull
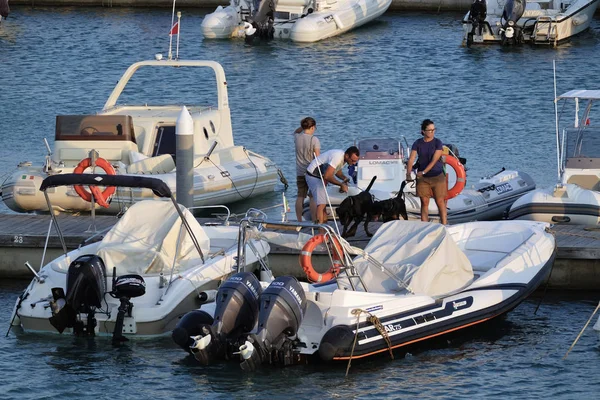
[(457, 312), (566, 204), (223, 185)]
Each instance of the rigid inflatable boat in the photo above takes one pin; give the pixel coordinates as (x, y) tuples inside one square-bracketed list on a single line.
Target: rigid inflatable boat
[(139, 140), (539, 22), (298, 20), (147, 271), (413, 281), (575, 198)]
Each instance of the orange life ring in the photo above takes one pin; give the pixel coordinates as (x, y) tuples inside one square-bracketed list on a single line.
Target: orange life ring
[(99, 197), (305, 258), (461, 176)]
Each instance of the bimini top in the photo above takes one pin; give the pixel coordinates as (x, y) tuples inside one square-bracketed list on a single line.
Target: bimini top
[(159, 187), (581, 94)]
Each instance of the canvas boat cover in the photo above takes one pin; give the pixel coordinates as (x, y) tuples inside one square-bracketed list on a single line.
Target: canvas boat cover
[(144, 241), (422, 254)]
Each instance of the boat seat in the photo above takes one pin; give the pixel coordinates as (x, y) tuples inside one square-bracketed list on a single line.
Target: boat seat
[(485, 249), (153, 165), (591, 182)]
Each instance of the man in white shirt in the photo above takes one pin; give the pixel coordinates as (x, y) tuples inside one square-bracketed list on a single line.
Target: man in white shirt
[(328, 166)]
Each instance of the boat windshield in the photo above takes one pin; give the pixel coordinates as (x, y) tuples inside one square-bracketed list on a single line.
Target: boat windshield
[(376, 149), (583, 143), (94, 127)]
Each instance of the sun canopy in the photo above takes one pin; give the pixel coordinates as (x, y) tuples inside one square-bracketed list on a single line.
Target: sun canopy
[(423, 255), (149, 238), (581, 94), (159, 187)]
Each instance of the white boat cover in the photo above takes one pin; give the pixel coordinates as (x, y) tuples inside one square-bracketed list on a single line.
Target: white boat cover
[(421, 254), (144, 241)]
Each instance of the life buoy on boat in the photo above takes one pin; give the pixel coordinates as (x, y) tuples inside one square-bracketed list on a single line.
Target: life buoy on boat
[(99, 197), (461, 176), (337, 254)]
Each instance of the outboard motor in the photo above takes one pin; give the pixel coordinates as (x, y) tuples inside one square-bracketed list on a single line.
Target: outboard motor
[(125, 288), (477, 15), (86, 286), (511, 33), (454, 151), (260, 24), (282, 308), (236, 312)]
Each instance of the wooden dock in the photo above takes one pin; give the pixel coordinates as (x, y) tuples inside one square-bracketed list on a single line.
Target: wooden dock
[(23, 236)]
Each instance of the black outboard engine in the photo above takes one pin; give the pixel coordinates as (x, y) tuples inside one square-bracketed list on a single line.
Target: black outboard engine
[(282, 308), (511, 33), (454, 151), (125, 288), (86, 285), (236, 312), (477, 15), (260, 25)]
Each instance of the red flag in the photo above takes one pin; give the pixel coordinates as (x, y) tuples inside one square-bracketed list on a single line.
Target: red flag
[(175, 29)]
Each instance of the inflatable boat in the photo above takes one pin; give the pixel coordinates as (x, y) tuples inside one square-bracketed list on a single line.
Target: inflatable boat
[(575, 199), (538, 22), (297, 20), (140, 140), (413, 281), (147, 271)]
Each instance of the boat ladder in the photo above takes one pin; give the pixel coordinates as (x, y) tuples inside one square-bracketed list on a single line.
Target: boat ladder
[(545, 31)]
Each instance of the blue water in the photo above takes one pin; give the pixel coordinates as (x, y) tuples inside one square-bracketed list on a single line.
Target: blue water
[(382, 80), (516, 357)]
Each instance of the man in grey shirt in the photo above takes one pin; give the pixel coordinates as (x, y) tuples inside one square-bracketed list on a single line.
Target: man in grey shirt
[(307, 145)]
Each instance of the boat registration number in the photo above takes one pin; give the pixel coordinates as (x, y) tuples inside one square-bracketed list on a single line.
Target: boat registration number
[(504, 188)]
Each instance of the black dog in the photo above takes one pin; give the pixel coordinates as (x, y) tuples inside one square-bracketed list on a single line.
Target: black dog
[(390, 209), (353, 208)]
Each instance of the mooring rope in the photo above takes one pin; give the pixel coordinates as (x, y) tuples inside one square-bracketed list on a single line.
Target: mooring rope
[(373, 320)]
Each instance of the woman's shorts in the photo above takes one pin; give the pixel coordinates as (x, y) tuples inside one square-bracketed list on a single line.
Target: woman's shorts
[(302, 186), (434, 186)]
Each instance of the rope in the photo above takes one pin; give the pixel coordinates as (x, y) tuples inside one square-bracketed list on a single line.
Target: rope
[(580, 333), (229, 176), (373, 320)]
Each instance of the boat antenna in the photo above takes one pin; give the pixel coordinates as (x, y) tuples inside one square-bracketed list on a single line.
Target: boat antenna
[(556, 122), (178, 26), (174, 30)]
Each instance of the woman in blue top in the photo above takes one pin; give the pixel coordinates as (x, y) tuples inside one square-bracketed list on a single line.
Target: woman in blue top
[(431, 179)]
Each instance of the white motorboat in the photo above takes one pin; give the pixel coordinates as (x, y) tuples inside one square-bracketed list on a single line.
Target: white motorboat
[(488, 199), (141, 140), (413, 281), (298, 20), (540, 22), (148, 270), (575, 198)]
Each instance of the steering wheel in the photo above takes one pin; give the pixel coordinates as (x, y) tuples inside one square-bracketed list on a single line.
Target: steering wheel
[(88, 131)]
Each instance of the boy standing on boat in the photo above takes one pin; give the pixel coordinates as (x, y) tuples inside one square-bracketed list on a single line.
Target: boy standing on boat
[(307, 146), (431, 179), (327, 166)]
